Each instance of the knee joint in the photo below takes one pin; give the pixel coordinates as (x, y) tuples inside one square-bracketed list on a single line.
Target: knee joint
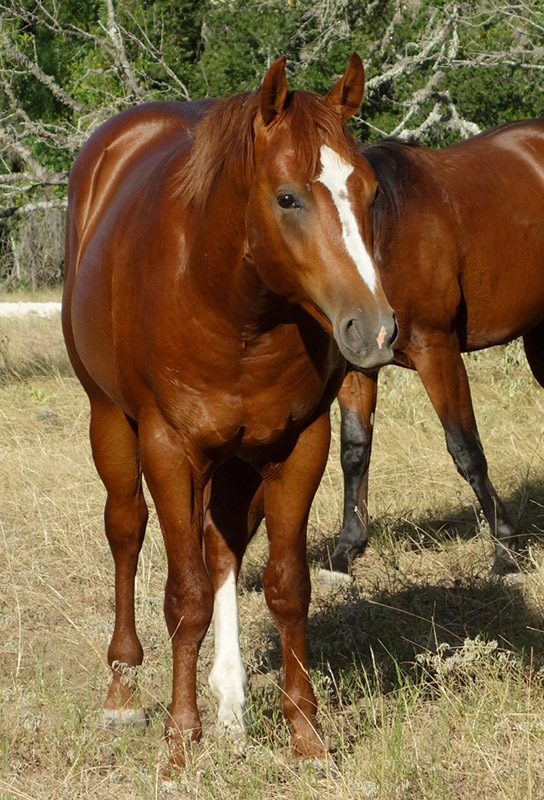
[(287, 593), (355, 444), (188, 611)]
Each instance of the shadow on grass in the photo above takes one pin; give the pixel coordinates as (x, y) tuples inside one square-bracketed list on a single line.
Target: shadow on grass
[(525, 506), (379, 630), (389, 629), (361, 644)]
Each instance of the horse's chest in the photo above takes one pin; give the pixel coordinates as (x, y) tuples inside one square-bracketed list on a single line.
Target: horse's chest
[(250, 399), (274, 399), (281, 404), (267, 420)]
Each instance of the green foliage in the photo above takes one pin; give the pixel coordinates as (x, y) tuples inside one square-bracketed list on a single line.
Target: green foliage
[(217, 47), (436, 70)]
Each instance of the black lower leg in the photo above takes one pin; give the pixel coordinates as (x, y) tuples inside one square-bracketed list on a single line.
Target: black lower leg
[(355, 446), (467, 453)]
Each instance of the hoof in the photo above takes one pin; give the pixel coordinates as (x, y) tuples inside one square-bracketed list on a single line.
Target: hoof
[(324, 767), (332, 578), (182, 747), (342, 559), (115, 719), (166, 776), (512, 578), (505, 564), (314, 749), (234, 733)]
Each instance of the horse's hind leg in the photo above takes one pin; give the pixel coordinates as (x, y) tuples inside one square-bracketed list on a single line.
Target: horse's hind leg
[(115, 452), (443, 373), (357, 401), (234, 512), (533, 343)]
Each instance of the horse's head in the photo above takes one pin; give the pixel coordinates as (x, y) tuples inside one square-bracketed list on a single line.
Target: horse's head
[(309, 213)]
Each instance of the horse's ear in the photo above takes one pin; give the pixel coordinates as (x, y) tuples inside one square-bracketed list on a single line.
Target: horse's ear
[(347, 95), (274, 91)]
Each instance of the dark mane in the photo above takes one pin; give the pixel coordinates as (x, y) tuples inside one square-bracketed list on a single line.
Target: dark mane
[(395, 170), (224, 141)]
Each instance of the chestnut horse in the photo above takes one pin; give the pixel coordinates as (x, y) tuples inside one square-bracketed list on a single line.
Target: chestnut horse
[(459, 243), (213, 248)]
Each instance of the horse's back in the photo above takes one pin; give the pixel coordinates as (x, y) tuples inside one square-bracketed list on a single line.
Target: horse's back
[(501, 232), (510, 135), (507, 160), (469, 231)]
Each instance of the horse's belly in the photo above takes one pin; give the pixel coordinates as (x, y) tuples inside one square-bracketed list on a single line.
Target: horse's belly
[(502, 278), (512, 309)]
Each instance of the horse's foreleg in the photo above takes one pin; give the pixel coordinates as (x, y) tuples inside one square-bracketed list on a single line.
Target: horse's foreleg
[(232, 517), (443, 373), (115, 452), (289, 491), (176, 486), (357, 401)]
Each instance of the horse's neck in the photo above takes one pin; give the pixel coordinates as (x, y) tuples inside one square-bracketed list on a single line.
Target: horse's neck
[(221, 273), (228, 283)]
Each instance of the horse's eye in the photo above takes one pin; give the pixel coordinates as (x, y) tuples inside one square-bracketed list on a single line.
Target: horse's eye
[(286, 200)]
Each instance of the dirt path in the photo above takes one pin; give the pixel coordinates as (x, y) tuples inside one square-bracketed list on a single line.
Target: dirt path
[(22, 309)]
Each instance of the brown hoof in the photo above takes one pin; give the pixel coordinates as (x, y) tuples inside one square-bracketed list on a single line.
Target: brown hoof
[(181, 745), (309, 747), (167, 774)]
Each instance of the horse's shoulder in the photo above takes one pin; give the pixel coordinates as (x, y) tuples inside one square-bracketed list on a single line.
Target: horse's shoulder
[(123, 143)]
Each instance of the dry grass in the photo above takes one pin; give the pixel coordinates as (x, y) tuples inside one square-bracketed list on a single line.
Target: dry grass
[(43, 294), (429, 671)]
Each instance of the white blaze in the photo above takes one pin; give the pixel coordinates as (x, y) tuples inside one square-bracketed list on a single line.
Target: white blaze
[(228, 676), (334, 175)]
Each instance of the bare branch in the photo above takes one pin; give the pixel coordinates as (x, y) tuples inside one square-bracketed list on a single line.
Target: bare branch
[(115, 34), (47, 178), (29, 208), (146, 45)]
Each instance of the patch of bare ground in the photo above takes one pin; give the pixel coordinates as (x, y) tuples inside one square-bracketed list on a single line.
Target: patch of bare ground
[(429, 671)]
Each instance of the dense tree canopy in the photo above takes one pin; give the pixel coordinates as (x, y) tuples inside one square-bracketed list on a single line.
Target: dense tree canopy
[(436, 71)]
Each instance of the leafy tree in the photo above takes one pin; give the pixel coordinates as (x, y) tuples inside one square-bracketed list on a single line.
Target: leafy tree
[(437, 70)]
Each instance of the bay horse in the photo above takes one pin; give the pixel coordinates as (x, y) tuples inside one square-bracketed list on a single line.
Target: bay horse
[(459, 244), (218, 274)]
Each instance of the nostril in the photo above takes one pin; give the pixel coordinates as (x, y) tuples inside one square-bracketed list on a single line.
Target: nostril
[(351, 335), (393, 338)]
